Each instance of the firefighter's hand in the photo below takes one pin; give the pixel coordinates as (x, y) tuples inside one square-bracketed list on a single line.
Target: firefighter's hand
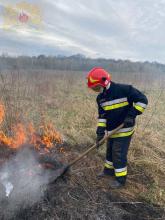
[(129, 121), (98, 139)]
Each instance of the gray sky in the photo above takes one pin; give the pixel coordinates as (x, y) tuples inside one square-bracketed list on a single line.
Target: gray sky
[(120, 29)]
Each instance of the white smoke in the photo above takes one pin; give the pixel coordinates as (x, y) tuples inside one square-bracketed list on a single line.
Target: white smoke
[(22, 180), (7, 185)]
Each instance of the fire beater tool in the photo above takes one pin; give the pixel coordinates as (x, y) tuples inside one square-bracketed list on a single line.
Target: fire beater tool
[(63, 170)]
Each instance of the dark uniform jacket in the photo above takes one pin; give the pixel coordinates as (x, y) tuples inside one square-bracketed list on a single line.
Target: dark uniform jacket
[(115, 104)]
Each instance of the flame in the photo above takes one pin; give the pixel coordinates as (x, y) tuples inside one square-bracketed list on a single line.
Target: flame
[(62, 150), (19, 136), (4, 139), (46, 138)]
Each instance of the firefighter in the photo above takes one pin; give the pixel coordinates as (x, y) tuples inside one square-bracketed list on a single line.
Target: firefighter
[(117, 104)]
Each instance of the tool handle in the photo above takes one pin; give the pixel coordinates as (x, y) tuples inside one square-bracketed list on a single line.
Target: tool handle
[(95, 145)]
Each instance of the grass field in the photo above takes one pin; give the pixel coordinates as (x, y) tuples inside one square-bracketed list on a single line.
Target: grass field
[(63, 99)]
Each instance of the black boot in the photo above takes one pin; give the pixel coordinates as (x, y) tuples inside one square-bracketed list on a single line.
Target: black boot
[(106, 173), (119, 182)]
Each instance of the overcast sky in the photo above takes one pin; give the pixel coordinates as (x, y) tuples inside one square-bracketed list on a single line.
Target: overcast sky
[(120, 29)]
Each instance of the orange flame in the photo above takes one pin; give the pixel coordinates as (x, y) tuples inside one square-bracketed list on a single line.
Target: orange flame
[(46, 138), (19, 137)]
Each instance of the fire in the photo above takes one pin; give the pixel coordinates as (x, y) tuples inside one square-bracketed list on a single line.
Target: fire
[(46, 138), (19, 137)]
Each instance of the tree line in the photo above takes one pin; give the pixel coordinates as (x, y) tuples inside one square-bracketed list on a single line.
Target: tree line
[(77, 63)]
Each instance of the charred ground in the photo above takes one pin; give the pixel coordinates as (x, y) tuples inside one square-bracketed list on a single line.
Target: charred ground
[(80, 195)]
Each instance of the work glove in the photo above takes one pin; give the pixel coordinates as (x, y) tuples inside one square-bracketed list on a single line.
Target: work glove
[(129, 121), (99, 138)]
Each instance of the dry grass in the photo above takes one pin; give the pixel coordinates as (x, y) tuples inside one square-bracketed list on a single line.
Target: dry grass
[(63, 99)]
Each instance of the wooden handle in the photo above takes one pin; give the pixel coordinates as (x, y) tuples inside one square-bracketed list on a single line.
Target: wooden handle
[(95, 145)]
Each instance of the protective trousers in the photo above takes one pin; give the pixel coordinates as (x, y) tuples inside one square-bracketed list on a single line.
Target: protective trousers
[(116, 158)]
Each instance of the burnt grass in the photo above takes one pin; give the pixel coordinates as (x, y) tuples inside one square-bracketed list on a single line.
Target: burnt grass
[(80, 195)]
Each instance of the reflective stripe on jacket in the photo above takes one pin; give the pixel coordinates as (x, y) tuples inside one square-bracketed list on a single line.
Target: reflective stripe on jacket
[(117, 102)]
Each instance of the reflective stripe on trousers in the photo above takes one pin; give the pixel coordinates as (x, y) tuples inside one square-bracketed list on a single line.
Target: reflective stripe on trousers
[(117, 150)]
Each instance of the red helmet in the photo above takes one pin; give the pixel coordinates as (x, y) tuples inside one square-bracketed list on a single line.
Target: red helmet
[(98, 77)]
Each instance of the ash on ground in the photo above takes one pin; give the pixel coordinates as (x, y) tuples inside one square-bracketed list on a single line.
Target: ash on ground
[(23, 181), (77, 196)]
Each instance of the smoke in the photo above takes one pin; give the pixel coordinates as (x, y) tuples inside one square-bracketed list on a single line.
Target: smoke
[(22, 181)]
